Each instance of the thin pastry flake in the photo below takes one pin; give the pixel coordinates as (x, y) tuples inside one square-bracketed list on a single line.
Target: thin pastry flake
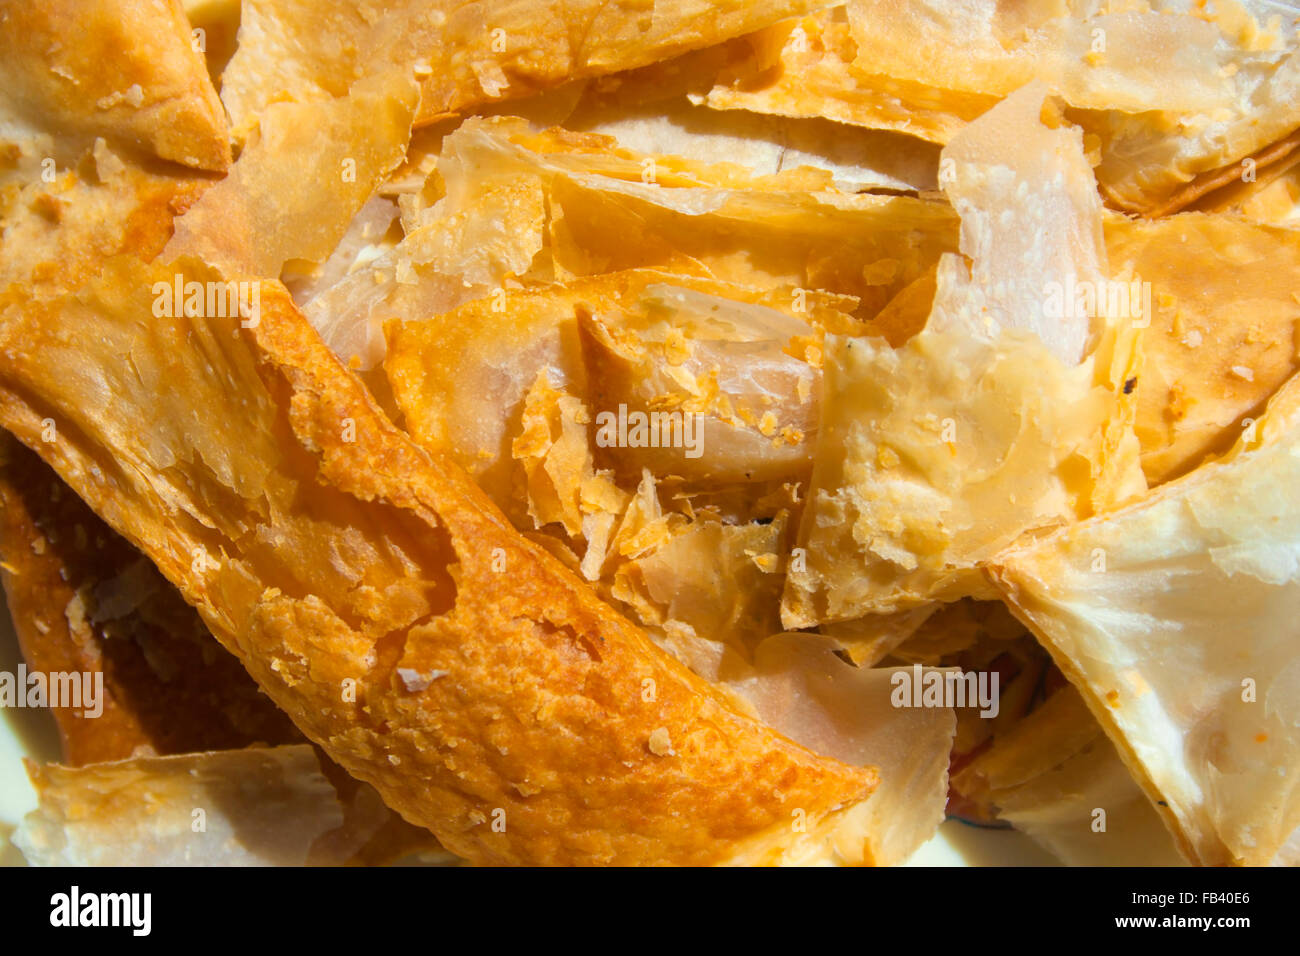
[(1170, 93), (1149, 56), (799, 685), (263, 806), (1224, 334), (1055, 777), (300, 180), (1176, 618), (257, 807), (807, 68), (654, 341), (983, 426), (790, 229), (857, 159), (468, 54)]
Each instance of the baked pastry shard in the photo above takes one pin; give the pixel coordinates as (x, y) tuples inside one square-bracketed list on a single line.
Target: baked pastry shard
[(300, 178), (1057, 778), (801, 686), (728, 356), (1224, 334), (510, 711), (1173, 95), (989, 423), (55, 233), (519, 208), (468, 54), (807, 67), (227, 808), (1176, 619), (84, 601), (124, 70), (263, 806), (859, 159)]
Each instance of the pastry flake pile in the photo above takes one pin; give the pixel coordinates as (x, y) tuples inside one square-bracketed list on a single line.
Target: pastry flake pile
[(664, 433)]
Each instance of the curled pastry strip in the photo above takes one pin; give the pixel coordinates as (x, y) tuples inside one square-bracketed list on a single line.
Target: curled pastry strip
[(383, 602)]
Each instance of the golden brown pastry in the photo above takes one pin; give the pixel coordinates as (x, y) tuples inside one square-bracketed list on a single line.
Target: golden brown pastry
[(1173, 96), (260, 806), (1224, 332), (55, 234), (468, 54), (124, 70), (511, 712), (1175, 617), (83, 600), (1000, 417)]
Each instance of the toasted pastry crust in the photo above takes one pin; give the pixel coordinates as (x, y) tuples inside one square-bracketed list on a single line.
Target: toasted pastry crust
[(468, 54), (125, 70), (513, 713), (84, 600), (53, 235)]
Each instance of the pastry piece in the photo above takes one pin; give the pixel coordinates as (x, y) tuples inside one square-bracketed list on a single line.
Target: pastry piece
[(1175, 618), (896, 518), (1027, 273), (124, 70), (466, 55), (300, 179), (649, 422), (256, 807), (509, 710), (1169, 92), (794, 231), (990, 422), (802, 687), (721, 354), (1173, 99), (485, 229), (1226, 187), (1270, 195), (54, 234), (857, 158), (868, 640), (807, 67), (1056, 777), (1224, 335), (1150, 56), (84, 601), (521, 208), (705, 579)]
